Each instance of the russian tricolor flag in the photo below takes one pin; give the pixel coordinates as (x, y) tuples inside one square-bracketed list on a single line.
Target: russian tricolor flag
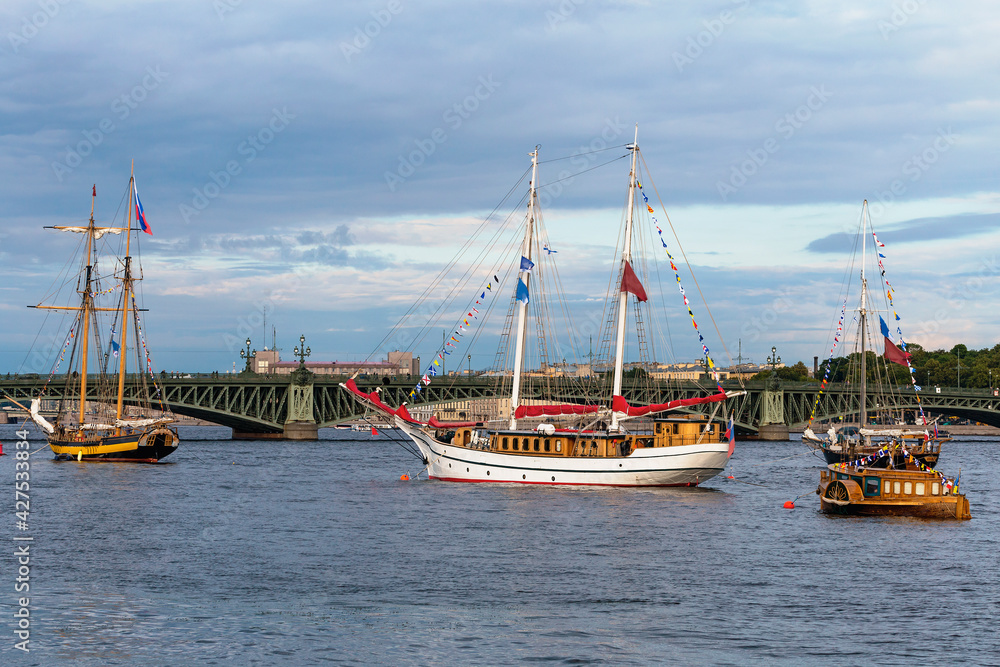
[(731, 435), (140, 215)]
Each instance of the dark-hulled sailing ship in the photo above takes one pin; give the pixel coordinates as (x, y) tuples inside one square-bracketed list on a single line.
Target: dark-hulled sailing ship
[(106, 413)]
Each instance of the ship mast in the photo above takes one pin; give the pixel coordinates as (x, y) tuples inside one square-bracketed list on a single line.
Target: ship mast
[(126, 291), (864, 324), (85, 312), (623, 295), (522, 309)]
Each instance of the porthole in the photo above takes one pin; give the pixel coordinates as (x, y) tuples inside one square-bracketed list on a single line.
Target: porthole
[(503, 443), (449, 465), (466, 470), (553, 479), (619, 465), (558, 445), (487, 473), (535, 444), (548, 445), (524, 477)]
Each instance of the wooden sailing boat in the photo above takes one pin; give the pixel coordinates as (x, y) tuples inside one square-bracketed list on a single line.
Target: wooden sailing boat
[(885, 430), (112, 419), (576, 444)]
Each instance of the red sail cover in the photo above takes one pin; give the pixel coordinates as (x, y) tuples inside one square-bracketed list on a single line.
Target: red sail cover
[(523, 411), (631, 283), (618, 404), (895, 355), (376, 401)]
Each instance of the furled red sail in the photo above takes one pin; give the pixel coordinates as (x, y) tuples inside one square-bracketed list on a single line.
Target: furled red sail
[(523, 411), (376, 401), (618, 404)]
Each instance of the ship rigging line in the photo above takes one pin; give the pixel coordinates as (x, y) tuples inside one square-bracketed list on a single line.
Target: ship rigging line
[(566, 178), (570, 157), (434, 283), (688, 263)]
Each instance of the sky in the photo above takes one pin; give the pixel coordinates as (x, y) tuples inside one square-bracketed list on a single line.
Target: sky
[(316, 164)]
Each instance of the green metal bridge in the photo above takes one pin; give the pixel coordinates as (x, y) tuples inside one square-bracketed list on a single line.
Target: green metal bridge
[(294, 407)]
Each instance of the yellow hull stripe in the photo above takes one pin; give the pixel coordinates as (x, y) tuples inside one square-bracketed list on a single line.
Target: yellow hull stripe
[(93, 450)]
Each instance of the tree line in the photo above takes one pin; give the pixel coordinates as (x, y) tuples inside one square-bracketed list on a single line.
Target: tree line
[(957, 367)]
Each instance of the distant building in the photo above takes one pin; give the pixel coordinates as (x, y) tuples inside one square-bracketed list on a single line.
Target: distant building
[(268, 362)]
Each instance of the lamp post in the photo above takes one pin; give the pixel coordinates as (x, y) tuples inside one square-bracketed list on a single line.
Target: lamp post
[(248, 355), (470, 365), (774, 359), (302, 351)]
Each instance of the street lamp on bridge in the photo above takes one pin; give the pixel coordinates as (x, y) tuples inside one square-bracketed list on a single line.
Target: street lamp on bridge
[(248, 355), (774, 359), (302, 351)]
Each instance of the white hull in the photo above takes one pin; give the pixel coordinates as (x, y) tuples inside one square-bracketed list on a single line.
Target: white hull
[(686, 465)]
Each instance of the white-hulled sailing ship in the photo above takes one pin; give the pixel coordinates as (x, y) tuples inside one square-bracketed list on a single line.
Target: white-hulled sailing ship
[(608, 443), (106, 413)]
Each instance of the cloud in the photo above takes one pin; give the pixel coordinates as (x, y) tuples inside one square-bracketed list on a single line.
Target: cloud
[(916, 231)]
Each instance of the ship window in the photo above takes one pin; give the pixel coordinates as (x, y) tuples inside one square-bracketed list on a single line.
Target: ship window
[(871, 486), (673, 428), (895, 487), (935, 489), (524, 444), (920, 488), (548, 445), (886, 486), (558, 447), (659, 427), (504, 443), (535, 444), (908, 488)]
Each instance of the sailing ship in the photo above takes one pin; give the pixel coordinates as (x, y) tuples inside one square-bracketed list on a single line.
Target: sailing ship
[(105, 413), (878, 383), (611, 443)]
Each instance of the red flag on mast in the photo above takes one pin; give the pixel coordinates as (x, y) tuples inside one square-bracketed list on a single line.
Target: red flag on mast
[(894, 354), (631, 283)]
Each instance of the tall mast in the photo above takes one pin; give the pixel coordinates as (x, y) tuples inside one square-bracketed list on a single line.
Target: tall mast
[(85, 312), (126, 290), (623, 295), (522, 309), (864, 314)]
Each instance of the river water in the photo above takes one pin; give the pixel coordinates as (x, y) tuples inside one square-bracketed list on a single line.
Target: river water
[(310, 553)]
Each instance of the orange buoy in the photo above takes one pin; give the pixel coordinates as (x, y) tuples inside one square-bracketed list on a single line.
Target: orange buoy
[(789, 505), (730, 477), (404, 477)]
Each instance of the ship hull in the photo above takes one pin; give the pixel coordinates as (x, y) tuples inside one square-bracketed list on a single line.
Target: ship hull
[(869, 491), (145, 447), (686, 465)]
